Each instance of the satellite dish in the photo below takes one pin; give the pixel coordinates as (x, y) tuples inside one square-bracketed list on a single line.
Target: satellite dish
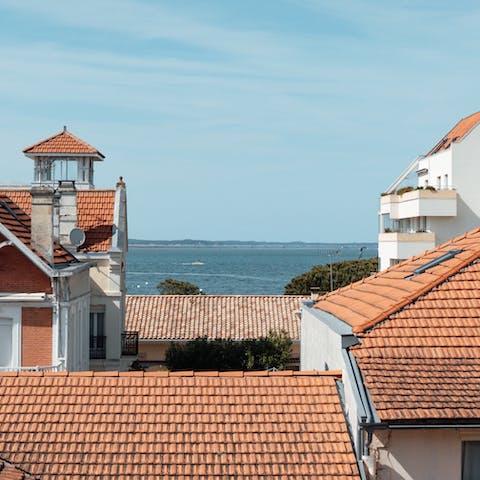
[(77, 236)]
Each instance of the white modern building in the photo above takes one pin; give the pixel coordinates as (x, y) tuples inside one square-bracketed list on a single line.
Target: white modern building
[(435, 199)]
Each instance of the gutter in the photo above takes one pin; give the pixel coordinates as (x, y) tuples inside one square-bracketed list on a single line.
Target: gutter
[(414, 426)]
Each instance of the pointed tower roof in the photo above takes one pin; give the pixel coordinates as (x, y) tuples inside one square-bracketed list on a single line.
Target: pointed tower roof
[(64, 143)]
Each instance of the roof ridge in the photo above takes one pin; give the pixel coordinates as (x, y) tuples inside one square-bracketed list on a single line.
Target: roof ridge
[(214, 295), (51, 137), (414, 296), (184, 373), (64, 133)]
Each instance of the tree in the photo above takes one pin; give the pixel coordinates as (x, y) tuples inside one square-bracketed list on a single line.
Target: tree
[(343, 274), (272, 351), (170, 286)]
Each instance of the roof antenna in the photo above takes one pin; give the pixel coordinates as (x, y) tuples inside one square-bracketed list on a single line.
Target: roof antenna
[(64, 128)]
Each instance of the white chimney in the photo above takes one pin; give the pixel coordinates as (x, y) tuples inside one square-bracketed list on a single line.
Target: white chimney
[(42, 221), (67, 210)]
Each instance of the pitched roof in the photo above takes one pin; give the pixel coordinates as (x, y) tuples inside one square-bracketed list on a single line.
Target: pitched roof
[(420, 335), (424, 361), (187, 317), (368, 302), (460, 130), (18, 223), (63, 142), (95, 215), (208, 425)]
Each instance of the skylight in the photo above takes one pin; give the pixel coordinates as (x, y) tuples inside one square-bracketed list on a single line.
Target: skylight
[(436, 261)]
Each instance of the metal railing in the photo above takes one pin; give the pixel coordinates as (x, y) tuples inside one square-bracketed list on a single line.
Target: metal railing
[(130, 343), (37, 368), (98, 346)]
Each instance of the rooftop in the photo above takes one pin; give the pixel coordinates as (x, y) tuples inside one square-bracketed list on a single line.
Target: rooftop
[(370, 301), (188, 317), (208, 425), (458, 132), (419, 327), (95, 215), (18, 223), (63, 142)]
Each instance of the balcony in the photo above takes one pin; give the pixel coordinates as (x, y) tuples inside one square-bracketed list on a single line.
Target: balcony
[(420, 203), (98, 346), (48, 368), (394, 246), (130, 343)]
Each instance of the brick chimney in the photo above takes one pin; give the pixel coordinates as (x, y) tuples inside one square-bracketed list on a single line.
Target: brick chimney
[(67, 215), (42, 221)]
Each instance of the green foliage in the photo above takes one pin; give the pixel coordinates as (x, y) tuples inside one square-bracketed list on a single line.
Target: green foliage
[(170, 286), (343, 274), (263, 353)]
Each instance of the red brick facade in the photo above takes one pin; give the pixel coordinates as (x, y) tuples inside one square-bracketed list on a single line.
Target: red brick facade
[(19, 275), (36, 336)]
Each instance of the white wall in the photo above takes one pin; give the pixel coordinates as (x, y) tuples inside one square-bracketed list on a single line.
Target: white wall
[(427, 454), (321, 349)]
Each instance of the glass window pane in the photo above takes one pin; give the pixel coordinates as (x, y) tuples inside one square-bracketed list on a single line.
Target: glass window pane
[(471, 460), (5, 344)]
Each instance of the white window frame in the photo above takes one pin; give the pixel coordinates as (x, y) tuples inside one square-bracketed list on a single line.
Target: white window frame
[(13, 316)]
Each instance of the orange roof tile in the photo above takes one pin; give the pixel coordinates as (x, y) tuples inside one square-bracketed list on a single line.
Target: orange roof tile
[(9, 472), (370, 301), (18, 223), (95, 215), (63, 142), (196, 426), (460, 130), (420, 335), (185, 317)]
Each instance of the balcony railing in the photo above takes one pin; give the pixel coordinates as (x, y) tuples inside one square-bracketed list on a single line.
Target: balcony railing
[(130, 343), (98, 347), (46, 368)]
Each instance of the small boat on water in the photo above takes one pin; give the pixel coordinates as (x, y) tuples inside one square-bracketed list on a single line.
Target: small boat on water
[(198, 262)]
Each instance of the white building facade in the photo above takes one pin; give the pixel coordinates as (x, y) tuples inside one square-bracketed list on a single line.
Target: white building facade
[(435, 199)]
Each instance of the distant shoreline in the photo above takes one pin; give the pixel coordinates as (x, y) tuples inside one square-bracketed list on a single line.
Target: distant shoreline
[(240, 244)]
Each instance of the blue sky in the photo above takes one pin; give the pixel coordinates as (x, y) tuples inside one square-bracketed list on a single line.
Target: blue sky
[(263, 120)]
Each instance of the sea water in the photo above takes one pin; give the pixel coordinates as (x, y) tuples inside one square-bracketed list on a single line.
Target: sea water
[(229, 270)]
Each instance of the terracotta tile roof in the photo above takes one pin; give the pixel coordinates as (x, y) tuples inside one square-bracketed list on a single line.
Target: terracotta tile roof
[(277, 425), (63, 142), (370, 301), (187, 317), (95, 215), (18, 223), (10, 472), (459, 131), (424, 361), (420, 337)]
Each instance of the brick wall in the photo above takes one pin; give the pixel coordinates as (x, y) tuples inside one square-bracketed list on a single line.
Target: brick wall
[(19, 274), (36, 336)]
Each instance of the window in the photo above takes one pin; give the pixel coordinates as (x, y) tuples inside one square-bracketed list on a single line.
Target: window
[(97, 335), (6, 342), (471, 460)]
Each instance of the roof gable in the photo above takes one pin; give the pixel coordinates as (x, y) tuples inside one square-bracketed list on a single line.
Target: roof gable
[(186, 317), (120, 426), (63, 142), (458, 132)]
